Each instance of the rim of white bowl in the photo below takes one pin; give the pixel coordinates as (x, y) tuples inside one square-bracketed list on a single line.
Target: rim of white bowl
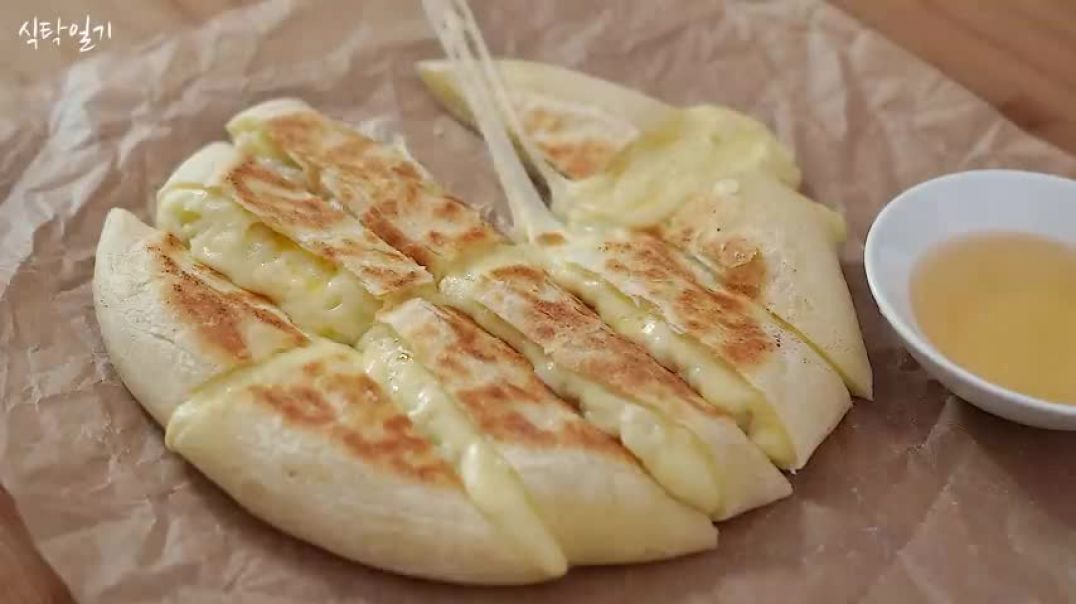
[(911, 335)]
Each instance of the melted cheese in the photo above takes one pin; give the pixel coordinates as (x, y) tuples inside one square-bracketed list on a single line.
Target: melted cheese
[(662, 168), (711, 377), (490, 482), (671, 454), (317, 295)]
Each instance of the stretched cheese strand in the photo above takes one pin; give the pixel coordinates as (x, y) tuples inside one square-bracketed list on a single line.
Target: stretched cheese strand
[(713, 182), (622, 262)]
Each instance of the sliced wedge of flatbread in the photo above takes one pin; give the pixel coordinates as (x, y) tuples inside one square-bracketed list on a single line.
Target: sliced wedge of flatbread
[(596, 499), (310, 443), (710, 180), (761, 239), (581, 123), (292, 130), (578, 121), (170, 323), (731, 351), (378, 183), (696, 452), (295, 430), (257, 224)]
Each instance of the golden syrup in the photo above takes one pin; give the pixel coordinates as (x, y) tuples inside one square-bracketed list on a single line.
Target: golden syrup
[(1003, 306)]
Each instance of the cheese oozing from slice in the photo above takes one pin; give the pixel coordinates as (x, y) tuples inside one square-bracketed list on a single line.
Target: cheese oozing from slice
[(491, 483), (710, 376), (317, 295), (654, 175), (672, 455)]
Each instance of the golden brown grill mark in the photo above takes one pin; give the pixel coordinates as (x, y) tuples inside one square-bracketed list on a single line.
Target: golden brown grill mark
[(218, 313), (551, 239), (451, 210), (319, 227), (279, 201), (437, 238), (576, 158), (477, 344), (576, 339), (494, 384), (744, 268), (383, 188), (739, 263), (300, 405), (351, 410), (520, 273), (313, 369), (579, 159), (492, 407), (720, 319), (385, 228), (299, 131)]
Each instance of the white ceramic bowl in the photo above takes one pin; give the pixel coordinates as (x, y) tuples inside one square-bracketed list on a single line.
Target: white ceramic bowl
[(953, 205)]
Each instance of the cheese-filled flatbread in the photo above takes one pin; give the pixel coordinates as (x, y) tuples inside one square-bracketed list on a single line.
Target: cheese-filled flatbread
[(310, 443), (378, 183), (737, 356), (256, 224), (763, 240), (712, 181), (596, 499), (692, 449), (170, 323), (295, 430), (731, 351), (581, 123), (703, 474)]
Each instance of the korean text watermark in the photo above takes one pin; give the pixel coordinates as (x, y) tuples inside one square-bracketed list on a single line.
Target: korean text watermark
[(86, 33)]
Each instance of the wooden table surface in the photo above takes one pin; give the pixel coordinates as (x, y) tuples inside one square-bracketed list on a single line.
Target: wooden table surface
[(1018, 54)]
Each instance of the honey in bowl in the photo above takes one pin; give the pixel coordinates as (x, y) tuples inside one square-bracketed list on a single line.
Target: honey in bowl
[(1003, 306)]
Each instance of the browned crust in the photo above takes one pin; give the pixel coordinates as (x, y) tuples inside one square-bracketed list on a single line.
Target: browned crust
[(216, 310), (432, 230), (721, 319), (576, 339), (550, 239), (383, 188), (279, 201), (696, 229), (495, 385), (577, 158), (318, 226), (349, 409)]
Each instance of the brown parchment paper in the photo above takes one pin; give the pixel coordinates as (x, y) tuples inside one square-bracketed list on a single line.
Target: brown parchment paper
[(915, 497)]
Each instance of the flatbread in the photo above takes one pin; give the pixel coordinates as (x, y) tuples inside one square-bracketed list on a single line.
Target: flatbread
[(801, 398), (591, 493), (764, 240), (579, 122), (750, 227), (308, 442), (261, 231), (378, 183), (170, 323), (694, 450)]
